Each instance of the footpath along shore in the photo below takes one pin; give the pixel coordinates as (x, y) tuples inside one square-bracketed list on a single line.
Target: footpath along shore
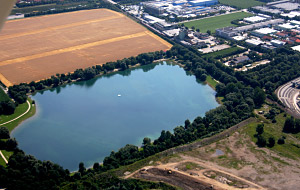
[(28, 109)]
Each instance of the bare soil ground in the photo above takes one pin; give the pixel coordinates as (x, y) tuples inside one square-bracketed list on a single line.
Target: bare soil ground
[(36, 48), (241, 165)]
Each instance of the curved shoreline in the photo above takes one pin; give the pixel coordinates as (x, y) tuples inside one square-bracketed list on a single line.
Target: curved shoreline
[(29, 107), (16, 118)]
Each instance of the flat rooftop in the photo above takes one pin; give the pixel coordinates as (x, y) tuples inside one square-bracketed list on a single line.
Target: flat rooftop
[(296, 48), (265, 31)]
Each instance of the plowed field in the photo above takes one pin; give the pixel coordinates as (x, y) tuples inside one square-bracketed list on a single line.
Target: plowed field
[(39, 47)]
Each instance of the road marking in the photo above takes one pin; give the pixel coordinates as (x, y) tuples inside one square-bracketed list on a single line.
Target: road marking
[(59, 27), (73, 48)]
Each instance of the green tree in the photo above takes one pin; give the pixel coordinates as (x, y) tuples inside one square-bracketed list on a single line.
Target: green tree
[(281, 140), (4, 133), (259, 97), (146, 141), (203, 77), (261, 141), (260, 129), (271, 142), (289, 125), (81, 168), (11, 144), (96, 166)]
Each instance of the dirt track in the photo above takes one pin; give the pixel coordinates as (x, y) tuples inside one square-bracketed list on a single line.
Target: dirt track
[(36, 48), (175, 178)]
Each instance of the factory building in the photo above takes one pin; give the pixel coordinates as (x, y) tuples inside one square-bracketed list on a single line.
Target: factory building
[(226, 32), (153, 9), (262, 32), (203, 3)]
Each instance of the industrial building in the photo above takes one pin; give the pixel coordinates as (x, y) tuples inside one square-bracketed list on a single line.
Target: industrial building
[(254, 42), (284, 5), (285, 26), (267, 10), (254, 19), (291, 14), (180, 8), (263, 31), (259, 25), (277, 43), (153, 9), (296, 48), (204, 3), (226, 32)]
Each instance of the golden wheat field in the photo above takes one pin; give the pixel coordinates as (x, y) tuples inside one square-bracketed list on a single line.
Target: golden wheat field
[(36, 48)]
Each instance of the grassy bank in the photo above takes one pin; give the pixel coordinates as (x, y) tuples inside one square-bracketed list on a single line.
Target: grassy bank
[(10, 126), (211, 82), (19, 110)]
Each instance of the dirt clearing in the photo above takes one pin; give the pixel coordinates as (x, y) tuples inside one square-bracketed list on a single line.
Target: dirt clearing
[(39, 47)]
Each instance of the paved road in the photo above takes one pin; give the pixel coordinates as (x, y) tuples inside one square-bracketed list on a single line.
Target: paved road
[(287, 94)]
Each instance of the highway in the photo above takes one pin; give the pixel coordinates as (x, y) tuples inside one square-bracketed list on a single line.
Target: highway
[(288, 94)]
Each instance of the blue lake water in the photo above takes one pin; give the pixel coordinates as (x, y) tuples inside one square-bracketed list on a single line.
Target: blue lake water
[(85, 121)]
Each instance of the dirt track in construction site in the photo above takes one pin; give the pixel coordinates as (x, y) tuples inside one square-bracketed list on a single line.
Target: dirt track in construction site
[(36, 48)]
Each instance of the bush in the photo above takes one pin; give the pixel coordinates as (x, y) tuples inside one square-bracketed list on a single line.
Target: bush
[(271, 142), (261, 141), (281, 141)]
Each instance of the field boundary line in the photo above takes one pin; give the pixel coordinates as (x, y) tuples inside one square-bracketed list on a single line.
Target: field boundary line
[(51, 15), (159, 39), (29, 106), (5, 81), (58, 27), (72, 48)]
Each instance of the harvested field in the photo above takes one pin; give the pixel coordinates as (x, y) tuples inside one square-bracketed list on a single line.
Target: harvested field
[(37, 48)]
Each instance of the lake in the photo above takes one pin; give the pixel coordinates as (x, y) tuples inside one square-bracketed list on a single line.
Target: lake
[(86, 120)]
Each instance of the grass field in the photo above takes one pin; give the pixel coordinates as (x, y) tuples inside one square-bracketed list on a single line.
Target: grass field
[(46, 7), (288, 149), (10, 126), (243, 4), (221, 52), (211, 82), (213, 23), (19, 110), (3, 95), (71, 41)]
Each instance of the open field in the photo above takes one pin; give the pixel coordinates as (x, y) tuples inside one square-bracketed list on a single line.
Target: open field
[(222, 52), (234, 162), (213, 23), (243, 4), (36, 48)]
